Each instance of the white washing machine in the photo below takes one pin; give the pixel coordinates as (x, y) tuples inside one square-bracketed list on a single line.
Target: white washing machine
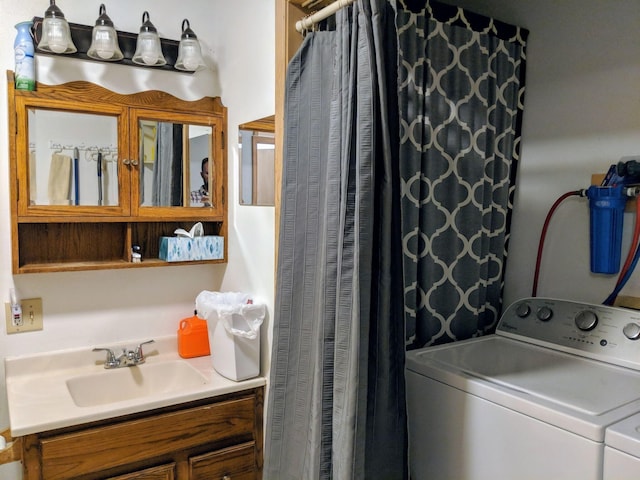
[(622, 450), (532, 401)]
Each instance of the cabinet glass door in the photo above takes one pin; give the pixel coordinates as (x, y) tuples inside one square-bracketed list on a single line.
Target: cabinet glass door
[(176, 166), (174, 171), (73, 159), (70, 160)]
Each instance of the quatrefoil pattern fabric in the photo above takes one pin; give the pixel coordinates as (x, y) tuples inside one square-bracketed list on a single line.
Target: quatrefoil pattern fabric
[(461, 87)]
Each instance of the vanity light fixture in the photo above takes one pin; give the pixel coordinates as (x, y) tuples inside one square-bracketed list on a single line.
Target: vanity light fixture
[(148, 49), (56, 36), (104, 39), (103, 42), (189, 53)]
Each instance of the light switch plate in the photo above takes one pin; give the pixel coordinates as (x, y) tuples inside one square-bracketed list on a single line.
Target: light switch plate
[(31, 316)]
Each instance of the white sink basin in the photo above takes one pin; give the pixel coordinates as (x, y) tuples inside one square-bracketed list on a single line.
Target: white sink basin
[(62, 388), (126, 383)]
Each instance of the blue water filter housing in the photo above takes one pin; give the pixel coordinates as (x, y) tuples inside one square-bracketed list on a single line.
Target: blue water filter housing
[(606, 216)]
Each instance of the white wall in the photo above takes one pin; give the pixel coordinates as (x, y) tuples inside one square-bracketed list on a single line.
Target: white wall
[(83, 309), (582, 114)]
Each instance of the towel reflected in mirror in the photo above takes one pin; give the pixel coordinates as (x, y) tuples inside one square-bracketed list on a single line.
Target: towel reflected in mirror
[(59, 179)]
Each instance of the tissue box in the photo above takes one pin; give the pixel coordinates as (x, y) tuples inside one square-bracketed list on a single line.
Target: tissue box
[(184, 249)]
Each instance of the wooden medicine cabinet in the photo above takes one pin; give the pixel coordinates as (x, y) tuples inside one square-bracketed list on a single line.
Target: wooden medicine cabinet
[(94, 173)]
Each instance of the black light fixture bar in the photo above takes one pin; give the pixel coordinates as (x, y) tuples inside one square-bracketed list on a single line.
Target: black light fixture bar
[(81, 36)]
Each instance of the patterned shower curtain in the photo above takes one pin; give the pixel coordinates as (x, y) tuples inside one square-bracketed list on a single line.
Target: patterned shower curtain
[(461, 87)]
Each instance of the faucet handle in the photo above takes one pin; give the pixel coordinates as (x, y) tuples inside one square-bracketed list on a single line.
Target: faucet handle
[(111, 360), (139, 354)]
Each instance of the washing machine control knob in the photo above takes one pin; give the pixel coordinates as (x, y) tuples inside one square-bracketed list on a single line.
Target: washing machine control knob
[(631, 331), (544, 314), (523, 310), (586, 320)]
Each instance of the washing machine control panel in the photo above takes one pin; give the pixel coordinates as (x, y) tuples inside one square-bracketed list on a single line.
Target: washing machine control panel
[(609, 334)]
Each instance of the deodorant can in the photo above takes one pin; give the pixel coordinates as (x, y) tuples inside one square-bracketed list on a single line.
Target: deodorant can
[(25, 72)]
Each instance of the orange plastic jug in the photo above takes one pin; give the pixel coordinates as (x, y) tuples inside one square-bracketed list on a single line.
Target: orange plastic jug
[(193, 338)]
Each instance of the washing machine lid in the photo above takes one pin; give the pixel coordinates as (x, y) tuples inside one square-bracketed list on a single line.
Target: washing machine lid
[(625, 436), (570, 382)]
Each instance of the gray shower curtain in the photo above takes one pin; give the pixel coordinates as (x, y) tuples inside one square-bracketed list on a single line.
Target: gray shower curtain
[(167, 171), (336, 405)]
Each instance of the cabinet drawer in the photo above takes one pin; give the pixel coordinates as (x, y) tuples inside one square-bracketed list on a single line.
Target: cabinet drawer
[(234, 463), (69, 456), (164, 472)]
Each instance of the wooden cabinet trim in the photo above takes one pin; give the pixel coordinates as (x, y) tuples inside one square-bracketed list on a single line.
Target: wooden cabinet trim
[(83, 91)]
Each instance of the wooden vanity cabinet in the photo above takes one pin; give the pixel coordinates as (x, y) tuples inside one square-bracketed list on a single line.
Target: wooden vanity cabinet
[(133, 183), (208, 440)]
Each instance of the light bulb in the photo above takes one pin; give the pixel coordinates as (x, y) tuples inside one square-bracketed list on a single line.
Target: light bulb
[(105, 53), (189, 53), (103, 44), (104, 49), (57, 37), (191, 64), (149, 59), (148, 47), (190, 60), (56, 46), (148, 50)]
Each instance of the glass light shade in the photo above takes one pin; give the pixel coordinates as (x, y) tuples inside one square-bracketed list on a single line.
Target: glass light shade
[(189, 53), (104, 43), (56, 36), (148, 48)]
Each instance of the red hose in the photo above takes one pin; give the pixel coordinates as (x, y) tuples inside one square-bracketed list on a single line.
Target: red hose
[(634, 243), (543, 234)]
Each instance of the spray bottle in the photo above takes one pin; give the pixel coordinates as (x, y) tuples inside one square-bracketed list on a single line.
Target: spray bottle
[(25, 74)]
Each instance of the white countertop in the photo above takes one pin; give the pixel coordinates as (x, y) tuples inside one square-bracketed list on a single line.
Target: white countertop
[(39, 399)]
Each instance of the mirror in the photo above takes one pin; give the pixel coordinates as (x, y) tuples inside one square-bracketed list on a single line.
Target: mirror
[(73, 158), (175, 169), (256, 145)]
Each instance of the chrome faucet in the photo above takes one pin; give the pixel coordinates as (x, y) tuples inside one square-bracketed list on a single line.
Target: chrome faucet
[(128, 358)]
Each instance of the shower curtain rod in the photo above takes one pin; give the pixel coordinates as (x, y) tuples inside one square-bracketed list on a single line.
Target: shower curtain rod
[(320, 15)]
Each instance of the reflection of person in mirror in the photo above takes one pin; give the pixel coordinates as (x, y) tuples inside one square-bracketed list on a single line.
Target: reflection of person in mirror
[(200, 197)]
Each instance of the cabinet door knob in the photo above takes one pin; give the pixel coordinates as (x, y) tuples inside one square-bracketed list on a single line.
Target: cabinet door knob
[(126, 161), (134, 163)]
